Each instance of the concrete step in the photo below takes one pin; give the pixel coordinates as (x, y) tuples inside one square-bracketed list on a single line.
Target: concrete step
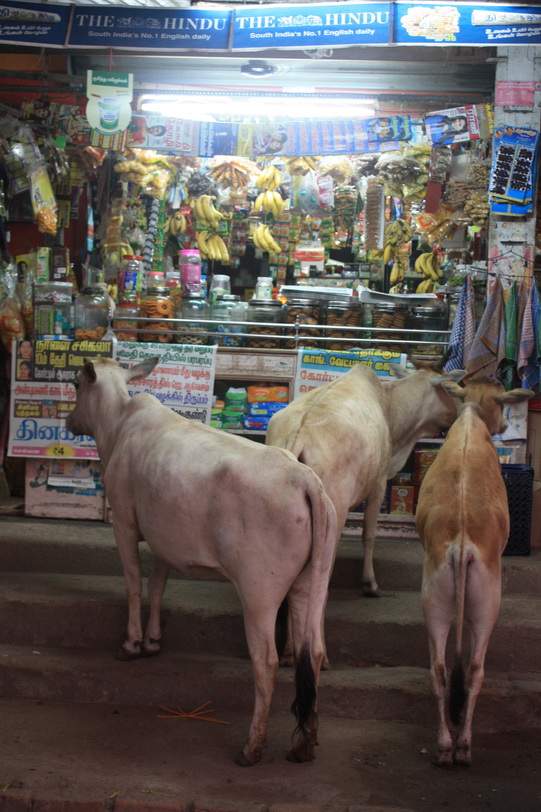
[(85, 547), (509, 700), (90, 611)]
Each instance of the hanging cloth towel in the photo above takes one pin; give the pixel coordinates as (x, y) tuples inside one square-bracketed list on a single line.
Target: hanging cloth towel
[(507, 371), (463, 329), (488, 347), (527, 364)]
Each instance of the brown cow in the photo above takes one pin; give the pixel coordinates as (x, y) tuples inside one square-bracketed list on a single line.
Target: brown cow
[(463, 520), (206, 501)]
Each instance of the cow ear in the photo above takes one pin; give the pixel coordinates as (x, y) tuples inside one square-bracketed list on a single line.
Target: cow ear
[(514, 396), (453, 389), (399, 371), (455, 375), (88, 371), (143, 369)]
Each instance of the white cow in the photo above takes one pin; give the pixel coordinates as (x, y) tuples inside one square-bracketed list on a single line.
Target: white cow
[(463, 520), (358, 431), (208, 501)]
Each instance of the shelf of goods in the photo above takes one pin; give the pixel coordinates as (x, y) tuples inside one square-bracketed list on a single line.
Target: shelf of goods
[(292, 333)]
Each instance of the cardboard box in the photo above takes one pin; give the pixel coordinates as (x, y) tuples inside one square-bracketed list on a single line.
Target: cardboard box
[(402, 499), (60, 264), (64, 489), (43, 264)]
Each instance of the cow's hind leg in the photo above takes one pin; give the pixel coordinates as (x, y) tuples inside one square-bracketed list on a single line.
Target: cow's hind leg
[(309, 664), (438, 610), (259, 623), (156, 587), (128, 549), (483, 604)]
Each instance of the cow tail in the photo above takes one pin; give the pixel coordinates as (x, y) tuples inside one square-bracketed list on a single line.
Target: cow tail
[(457, 687), (322, 560), (280, 632)]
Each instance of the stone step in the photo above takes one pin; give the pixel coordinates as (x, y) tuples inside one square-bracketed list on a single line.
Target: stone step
[(86, 547), (509, 700), (90, 611)]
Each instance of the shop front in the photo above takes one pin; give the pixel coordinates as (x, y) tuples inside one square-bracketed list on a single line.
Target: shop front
[(263, 197)]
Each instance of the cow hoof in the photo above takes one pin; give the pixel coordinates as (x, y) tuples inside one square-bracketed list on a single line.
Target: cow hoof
[(243, 761), (369, 590), (462, 758), (301, 755), (152, 648), (125, 655), (444, 758)]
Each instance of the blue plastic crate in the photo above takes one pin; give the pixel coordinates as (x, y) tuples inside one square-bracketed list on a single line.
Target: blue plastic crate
[(519, 483)]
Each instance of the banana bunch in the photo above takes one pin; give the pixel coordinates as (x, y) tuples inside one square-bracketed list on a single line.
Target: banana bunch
[(426, 286), (212, 246), (204, 211), (398, 271), (175, 225), (263, 239), (397, 232), (300, 165), (235, 173), (269, 179), (427, 265), (270, 201)]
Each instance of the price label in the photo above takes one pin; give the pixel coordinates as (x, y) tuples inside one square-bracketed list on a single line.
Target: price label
[(59, 451)]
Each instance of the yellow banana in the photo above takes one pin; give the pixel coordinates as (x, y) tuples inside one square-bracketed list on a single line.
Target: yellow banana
[(270, 241), (202, 237), (259, 201), (387, 253)]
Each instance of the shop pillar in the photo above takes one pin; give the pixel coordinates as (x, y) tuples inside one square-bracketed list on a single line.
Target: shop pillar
[(512, 239)]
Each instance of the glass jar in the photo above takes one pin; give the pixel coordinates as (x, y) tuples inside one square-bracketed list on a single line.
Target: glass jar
[(219, 284), (339, 314), (307, 312), (193, 307), (264, 310), (52, 308), (156, 304), (428, 319), (390, 315), (126, 313), (91, 314), (228, 308), (190, 270)]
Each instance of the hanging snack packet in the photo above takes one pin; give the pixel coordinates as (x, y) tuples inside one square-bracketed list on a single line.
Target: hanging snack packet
[(11, 317)]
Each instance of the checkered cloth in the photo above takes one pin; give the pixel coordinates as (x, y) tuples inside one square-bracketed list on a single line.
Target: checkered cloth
[(488, 347), (528, 355), (507, 371), (463, 328)]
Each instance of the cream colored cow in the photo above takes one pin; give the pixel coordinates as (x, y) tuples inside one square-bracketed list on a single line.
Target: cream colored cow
[(463, 520), (206, 501), (358, 431)]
